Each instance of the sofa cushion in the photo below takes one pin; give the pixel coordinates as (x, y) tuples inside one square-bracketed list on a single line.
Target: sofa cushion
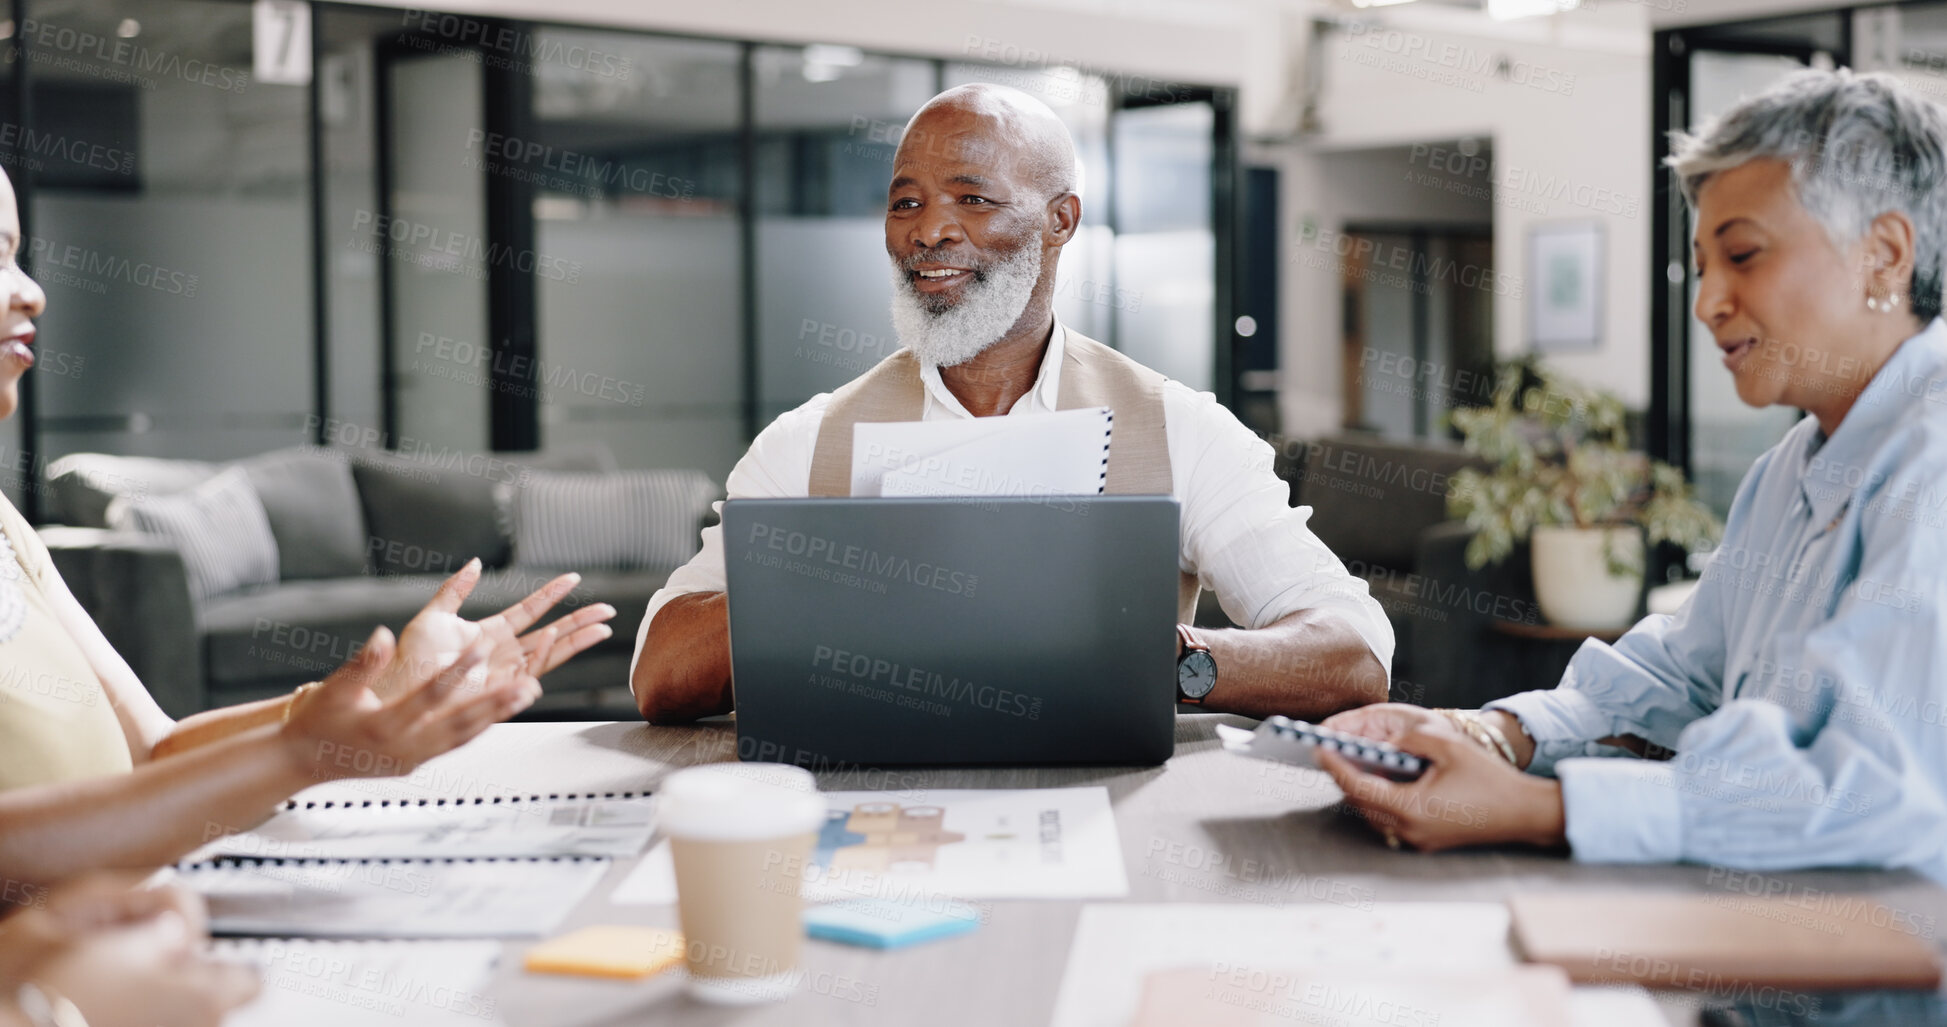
[(618, 521), (1371, 499), (312, 503), (431, 513), (300, 630), (82, 485), (219, 527)]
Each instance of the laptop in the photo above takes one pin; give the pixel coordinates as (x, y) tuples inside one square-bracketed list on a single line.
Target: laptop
[(980, 630)]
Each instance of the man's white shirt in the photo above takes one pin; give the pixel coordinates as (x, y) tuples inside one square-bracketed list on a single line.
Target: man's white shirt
[(1240, 536)]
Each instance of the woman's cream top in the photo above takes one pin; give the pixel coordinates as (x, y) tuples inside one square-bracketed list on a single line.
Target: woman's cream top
[(55, 720)]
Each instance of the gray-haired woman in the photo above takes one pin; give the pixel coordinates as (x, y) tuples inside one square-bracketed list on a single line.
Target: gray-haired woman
[(1803, 688)]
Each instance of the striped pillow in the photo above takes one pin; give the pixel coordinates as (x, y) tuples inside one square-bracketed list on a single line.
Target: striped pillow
[(606, 521), (219, 527)]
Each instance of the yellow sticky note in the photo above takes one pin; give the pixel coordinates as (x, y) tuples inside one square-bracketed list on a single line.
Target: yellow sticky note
[(608, 952)]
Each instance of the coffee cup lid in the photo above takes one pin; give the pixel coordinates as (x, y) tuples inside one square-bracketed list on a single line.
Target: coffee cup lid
[(740, 801)]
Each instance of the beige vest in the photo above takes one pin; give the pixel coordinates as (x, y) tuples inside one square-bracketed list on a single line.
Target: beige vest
[(1092, 375)]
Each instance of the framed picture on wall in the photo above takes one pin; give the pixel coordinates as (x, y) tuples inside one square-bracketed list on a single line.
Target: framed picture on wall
[(1565, 287)]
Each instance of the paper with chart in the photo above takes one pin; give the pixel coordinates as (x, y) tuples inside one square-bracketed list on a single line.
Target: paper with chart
[(315, 983), (530, 826), (1042, 843), (484, 898), (1317, 963), (1064, 453)]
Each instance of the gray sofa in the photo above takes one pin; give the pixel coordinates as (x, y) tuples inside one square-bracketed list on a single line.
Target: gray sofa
[(364, 537), (1381, 506)]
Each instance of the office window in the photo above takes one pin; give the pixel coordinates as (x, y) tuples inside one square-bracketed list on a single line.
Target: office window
[(177, 267), (1166, 246), (431, 238), (828, 122), (523, 235), (1398, 318), (347, 70), (635, 160)]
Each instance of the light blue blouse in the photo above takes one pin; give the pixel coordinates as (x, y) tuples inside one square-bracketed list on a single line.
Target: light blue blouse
[(1804, 684)]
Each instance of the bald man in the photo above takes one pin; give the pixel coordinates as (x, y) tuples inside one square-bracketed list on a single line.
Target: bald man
[(982, 200)]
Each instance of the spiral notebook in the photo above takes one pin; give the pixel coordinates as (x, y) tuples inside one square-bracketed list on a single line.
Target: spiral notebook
[(391, 898), (616, 824), (1065, 453)]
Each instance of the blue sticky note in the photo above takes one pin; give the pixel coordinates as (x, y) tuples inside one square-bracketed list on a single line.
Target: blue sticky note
[(879, 924)]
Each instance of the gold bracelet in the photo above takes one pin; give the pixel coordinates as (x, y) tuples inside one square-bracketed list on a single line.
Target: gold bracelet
[(1487, 736), (297, 695), (1498, 737)]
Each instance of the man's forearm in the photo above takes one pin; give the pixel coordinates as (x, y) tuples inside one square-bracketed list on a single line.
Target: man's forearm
[(1308, 665), (684, 672)]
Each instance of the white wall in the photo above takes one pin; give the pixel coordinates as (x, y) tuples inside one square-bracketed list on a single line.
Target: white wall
[(1570, 132)]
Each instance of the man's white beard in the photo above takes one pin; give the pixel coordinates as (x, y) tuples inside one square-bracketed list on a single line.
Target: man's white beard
[(992, 304)]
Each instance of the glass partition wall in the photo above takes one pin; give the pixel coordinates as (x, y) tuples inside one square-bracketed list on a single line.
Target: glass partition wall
[(168, 197), (457, 232)]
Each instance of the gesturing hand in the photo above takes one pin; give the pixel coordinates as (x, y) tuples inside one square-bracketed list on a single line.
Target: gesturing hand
[(344, 729), (438, 633), (126, 956), (1468, 796)]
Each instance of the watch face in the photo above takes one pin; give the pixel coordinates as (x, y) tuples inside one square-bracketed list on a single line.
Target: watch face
[(1196, 674)]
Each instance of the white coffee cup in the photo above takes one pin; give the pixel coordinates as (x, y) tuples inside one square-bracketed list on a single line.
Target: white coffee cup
[(741, 835)]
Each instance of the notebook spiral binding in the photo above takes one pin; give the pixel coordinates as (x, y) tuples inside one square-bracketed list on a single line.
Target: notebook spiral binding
[(475, 801), (246, 862), (1102, 484)]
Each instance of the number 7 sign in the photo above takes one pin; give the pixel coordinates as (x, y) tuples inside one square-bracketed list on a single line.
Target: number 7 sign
[(281, 37)]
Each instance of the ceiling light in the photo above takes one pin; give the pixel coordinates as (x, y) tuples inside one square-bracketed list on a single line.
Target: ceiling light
[(836, 56), (1508, 10), (826, 63), (129, 28)]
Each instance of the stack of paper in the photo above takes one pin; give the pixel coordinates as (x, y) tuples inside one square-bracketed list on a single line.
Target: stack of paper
[(531, 826), (1060, 454)]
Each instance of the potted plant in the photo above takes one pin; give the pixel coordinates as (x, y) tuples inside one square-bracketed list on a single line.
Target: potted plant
[(1561, 474)]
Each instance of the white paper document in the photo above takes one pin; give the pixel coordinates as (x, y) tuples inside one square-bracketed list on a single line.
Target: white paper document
[(485, 898), (1243, 949), (1042, 843), (1064, 453), (531, 826), (313, 983)]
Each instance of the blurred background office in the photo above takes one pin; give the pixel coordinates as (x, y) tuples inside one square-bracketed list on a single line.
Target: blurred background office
[(453, 247)]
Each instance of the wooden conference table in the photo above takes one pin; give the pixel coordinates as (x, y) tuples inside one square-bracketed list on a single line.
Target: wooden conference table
[(1176, 822)]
